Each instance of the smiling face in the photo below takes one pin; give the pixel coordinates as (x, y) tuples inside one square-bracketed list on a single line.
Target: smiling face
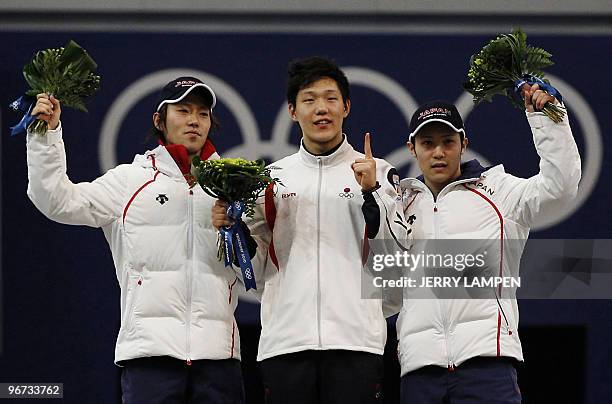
[(320, 110), (438, 149), (187, 123)]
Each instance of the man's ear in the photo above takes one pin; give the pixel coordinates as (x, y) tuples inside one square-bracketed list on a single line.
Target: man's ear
[(412, 149), (156, 121), (464, 145), (291, 109), (347, 108)]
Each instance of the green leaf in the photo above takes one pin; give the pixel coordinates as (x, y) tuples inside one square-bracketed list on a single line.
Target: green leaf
[(75, 55)]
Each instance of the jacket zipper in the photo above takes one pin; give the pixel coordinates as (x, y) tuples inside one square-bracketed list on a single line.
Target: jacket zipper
[(320, 163), (443, 308), (449, 354), (435, 220), (189, 274)]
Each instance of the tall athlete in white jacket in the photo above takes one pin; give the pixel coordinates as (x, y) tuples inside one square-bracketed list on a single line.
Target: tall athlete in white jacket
[(321, 341), (461, 351), (178, 340)]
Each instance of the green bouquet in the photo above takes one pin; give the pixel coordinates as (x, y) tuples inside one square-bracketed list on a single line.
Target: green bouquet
[(240, 183), (234, 179), (504, 64), (67, 73)]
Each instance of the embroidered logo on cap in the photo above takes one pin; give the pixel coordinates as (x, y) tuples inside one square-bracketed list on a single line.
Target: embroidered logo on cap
[(185, 83), (434, 112)]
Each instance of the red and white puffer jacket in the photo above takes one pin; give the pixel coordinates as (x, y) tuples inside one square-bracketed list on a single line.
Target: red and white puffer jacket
[(177, 299), (491, 205)]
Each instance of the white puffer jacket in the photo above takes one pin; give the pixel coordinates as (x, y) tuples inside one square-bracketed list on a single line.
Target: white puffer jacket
[(491, 205), (177, 299)]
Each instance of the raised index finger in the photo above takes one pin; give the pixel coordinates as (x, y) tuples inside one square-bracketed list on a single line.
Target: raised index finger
[(366, 146)]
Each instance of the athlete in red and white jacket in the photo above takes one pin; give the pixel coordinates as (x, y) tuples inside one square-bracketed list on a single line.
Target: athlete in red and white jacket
[(453, 201), (177, 299)]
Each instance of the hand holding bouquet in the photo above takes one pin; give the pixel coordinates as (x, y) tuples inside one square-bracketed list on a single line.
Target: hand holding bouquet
[(234, 179), (504, 65), (66, 73), (240, 183)]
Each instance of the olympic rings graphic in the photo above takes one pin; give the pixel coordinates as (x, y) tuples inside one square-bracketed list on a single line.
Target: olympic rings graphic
[(278, 146)]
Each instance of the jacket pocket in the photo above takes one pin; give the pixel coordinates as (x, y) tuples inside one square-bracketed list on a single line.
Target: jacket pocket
[(375, 318), (505, 310), (135, 282)]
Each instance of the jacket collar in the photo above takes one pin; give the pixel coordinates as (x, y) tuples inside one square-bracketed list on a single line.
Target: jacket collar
[(173, 160), (181, 156), (334, 158)]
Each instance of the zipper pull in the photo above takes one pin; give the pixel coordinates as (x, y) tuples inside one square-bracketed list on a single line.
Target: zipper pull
[(452, 367), (435, 207), (188, 361)]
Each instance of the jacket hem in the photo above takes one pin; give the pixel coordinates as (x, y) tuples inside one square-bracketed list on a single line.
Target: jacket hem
[(377, 351), (407, 369), (118, 360)]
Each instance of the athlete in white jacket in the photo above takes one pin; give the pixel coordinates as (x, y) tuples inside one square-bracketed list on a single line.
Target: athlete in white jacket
[(322, 340), (462, 349), (178, 339)]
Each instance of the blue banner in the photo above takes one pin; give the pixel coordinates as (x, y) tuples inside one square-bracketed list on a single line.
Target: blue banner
[(240, 250), (24, 104)]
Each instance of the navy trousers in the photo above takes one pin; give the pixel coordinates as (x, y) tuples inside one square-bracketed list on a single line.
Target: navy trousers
[(478, 380), (323, 377), (168, 380)]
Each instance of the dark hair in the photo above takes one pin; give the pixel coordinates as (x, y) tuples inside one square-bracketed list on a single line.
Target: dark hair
[(158, 134), (303, 72)]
